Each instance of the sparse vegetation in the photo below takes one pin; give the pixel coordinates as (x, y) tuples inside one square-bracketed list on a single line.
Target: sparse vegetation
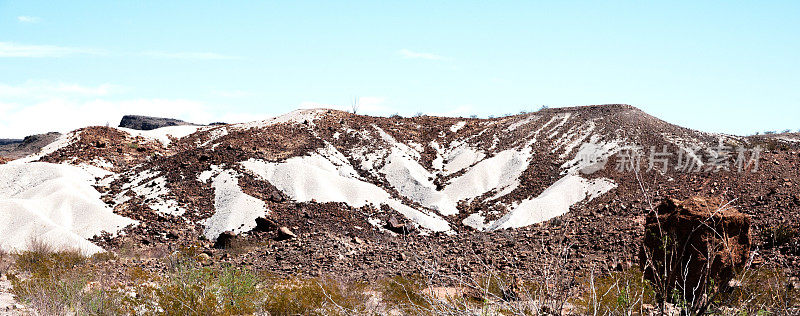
[(779, 235), (763, 291), (64, 282), (618, 293), (320, 296), (405, 293)]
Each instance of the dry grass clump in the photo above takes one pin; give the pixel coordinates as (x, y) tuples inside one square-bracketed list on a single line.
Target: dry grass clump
[(405, 293), (52, 282), (763, 291), (5, 262), (192, 290), (318, 296), (779, 235), (618, 293), (41, 259)]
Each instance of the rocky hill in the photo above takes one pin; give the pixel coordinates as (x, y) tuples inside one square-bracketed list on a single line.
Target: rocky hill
[(368, 196), (146, 123), (18, 148)]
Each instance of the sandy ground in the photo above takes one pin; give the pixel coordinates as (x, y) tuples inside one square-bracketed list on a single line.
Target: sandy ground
[(8, 306)]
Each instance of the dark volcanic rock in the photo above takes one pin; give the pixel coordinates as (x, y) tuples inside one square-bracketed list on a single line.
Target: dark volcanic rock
[(145, 123), (8, 141), (284, 233), (693, 242), (225, 240), (18, 148), (265, 225), (397, 226)]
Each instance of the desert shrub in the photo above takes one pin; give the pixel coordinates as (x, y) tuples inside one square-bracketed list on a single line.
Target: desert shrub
[(762, 291), (240, 292), (191, 290), (49, 294), (103, 256), (138, 275), (56, 282), (778, 235), (316, 297), (504, 287), (102, 301), (616, 293), (187, 291), (405, 293), (5, 262), (41, 260)]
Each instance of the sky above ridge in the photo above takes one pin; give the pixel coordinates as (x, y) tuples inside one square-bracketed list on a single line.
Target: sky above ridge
[(716, 66)]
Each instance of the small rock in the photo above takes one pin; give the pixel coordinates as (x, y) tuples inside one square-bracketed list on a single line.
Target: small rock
[(285, 233), (276, 197), (734, 283), (225, 240), (396, 226), (358, 240), (265, 225), (204, 259)]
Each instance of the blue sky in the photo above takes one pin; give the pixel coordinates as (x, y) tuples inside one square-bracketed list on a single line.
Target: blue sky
[(718, 66)]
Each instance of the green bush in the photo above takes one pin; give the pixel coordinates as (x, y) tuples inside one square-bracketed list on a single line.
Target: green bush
[(191, 290)]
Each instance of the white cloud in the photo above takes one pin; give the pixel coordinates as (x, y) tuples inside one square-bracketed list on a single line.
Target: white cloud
[(29, 19), (9, 49), (406, 53), (41, 106), (45, 89), (187, 55), (62, 115)]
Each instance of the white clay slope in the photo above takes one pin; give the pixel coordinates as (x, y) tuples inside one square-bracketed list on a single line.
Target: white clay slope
[(163, 134), (554, 201), (500, 172), (316, 177), (53, 204), (233, 209)]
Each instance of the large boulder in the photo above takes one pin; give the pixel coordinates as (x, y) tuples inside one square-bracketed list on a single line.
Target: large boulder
[(693, 247), (145, 123)]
